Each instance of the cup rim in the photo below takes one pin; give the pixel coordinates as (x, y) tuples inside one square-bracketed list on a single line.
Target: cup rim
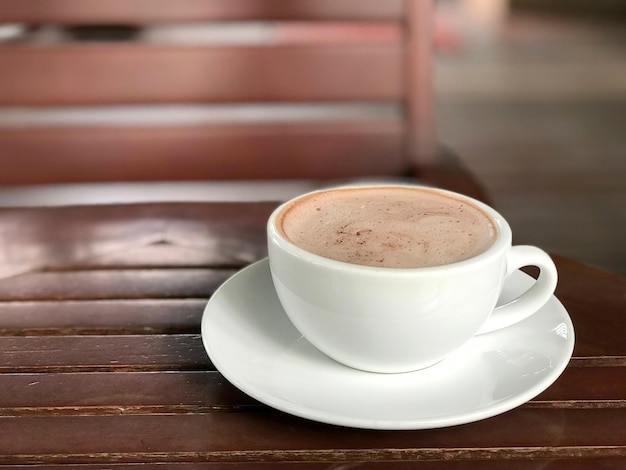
[(502, 242)]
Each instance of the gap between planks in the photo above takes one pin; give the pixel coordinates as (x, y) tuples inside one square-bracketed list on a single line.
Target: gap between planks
[(323, 455), (152, 410)]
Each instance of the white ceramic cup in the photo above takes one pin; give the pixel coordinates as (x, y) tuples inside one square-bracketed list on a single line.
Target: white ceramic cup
[(394, 320)]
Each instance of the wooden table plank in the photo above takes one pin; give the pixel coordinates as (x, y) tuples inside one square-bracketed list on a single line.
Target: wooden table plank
[(536, 464), (594, 384), (102, 353), (117, 393), (528, 432), (114, 284), (116, 317), (64, 237), (184, 391), (84, 379), (596, 302), (170, 256)]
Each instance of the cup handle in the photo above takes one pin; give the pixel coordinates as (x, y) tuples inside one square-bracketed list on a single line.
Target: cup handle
[(534, 298)]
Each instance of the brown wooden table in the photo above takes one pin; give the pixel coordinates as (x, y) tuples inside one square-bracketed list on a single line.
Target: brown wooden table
[(102, 364)]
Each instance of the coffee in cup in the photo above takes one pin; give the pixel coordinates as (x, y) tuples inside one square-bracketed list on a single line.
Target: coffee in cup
[(395, 278), (391, 227)]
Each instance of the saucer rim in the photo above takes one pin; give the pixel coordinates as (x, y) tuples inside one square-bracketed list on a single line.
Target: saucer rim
[(329, 417)]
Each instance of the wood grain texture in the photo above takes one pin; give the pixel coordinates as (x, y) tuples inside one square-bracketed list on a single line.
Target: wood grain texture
[(149, 316), (178, 409), (551, 463), (225, 235), (115, 284), (220, 437), (102, 353), (181, 392)]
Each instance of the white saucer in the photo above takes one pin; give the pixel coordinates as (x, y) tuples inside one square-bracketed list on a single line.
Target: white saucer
[(254, 345)]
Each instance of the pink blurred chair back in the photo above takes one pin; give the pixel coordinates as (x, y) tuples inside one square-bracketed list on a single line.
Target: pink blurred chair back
[(263, 89)]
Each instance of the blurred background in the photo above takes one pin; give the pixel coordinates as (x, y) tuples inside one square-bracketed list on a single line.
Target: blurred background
[(530, 94)]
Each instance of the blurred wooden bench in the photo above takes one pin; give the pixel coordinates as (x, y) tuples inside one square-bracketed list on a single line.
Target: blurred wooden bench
[(320, 89)]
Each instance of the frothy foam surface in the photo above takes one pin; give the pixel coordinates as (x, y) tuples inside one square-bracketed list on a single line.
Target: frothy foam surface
[(393, 227)]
